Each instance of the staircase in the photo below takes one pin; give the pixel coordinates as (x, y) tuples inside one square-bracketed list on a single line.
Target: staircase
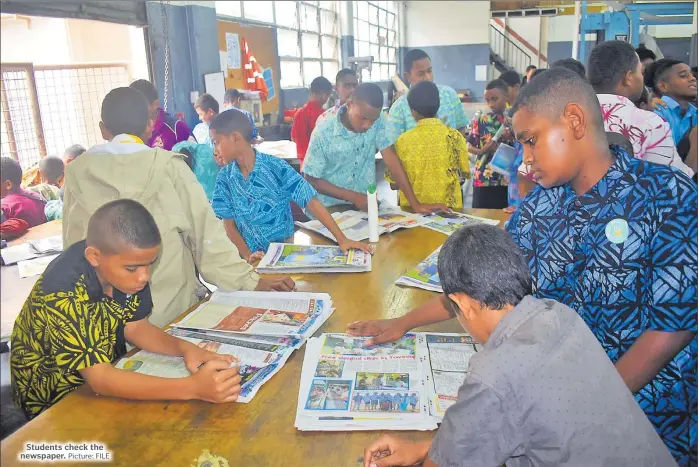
[(505, 54)]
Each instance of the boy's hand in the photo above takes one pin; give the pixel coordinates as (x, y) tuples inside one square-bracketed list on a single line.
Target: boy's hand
[(430, 208), (657, 102), (388, 451), (283, 284), (256, 257), (361, 202), (346, 245), (216, 382), (194, 357), (382, 330)]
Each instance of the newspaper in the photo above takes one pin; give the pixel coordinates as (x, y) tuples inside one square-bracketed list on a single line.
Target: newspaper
[(355, 224), (424, 275), (32, 249), (287, 258), (35, 266), (448, 223)]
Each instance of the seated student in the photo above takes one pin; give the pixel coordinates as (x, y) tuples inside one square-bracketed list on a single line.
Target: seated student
[(21, 209), (51, 169), (207, 109), (434, 156), (231, 100), (614, 72), (87, 304), (571, 64), (72, 152), (340, 163), (614, 238), (306, 117), (166, 130), (193, 238), (253, 192), (345, 84), (489, 187), (540, 392)]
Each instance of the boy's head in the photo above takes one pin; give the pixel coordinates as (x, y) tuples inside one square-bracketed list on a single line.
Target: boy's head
[(614, 68), (345, 84), (11, 175), (483, 275), (51, 169), (231, 99), (125, 111), (423, 99), (669, 77), (123, 243), (417, 67), (646, 56), (364, 107), (514, 84), (496, 96), (572, 64), (231, 133), (148, 90), (558, 120), (206, 107), (530, 71), (71, 153), (321, 89)]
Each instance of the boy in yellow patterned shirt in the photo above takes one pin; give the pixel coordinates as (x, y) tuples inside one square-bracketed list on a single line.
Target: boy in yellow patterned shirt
[(434, 156)]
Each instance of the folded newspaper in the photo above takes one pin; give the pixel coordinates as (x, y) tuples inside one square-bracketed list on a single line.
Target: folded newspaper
[(355, 224), (449, 222), (405, 385), (424, 275), (287, 258), (32, 249)]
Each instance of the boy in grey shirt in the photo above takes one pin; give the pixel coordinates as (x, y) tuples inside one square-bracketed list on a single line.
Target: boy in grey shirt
[(542, 391)]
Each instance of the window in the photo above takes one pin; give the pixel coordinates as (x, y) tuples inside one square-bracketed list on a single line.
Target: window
[(375, 34)]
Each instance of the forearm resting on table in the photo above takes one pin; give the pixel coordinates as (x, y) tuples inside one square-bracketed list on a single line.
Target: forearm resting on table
[(325, 187), (236, 238), (106, 380), (431, 312), (649, 354)]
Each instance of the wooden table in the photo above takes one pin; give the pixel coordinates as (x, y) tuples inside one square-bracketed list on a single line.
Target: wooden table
[(15, 290), (262, 432)]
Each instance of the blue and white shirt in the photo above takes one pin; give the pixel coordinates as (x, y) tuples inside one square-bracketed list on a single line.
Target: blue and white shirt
[(679, 124)]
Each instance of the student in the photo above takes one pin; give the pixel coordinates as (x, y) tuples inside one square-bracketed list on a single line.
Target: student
[(489, 187), (166, 130), (345, 84), (433, 155), (306, 116), (200, 158), (514, 84), (340, 162), (512, 79), (614, 238), (417, 67), (231, 100), (674, 81), (571, 64), (207, 109), (528, 74), (51, 169), (72, 152), (87, 304), (614, 72), (21, 209), (253, 192), (541, 390), (194, 240), (646, 56)]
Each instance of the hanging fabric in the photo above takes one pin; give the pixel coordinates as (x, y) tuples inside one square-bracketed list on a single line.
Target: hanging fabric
[(254, 81)]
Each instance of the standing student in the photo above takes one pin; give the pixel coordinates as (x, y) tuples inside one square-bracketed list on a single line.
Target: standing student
[(207, 109), (231, 100), (434, 156), (194, 240), (166, 130), (340, 162), (417, 67), (512, 79), (489, 187), (253, 192), (306, 116), (571, 64), (614, 72), (345, 84), (514, 84), (21, 209), (528, 74), (646, 56)]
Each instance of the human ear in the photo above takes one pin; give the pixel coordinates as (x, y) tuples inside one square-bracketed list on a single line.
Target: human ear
[(576, 119), (93, 256), (463, 302)]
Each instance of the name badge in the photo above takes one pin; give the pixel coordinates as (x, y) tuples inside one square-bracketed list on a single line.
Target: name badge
[(617, 231)]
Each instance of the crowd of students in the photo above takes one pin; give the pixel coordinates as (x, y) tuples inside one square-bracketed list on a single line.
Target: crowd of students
[(586, 306)]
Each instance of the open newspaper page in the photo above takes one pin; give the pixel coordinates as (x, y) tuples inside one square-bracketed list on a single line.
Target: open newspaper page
[(355, 224), (424, 275), (345, 386), (448, 223), (283, 257)]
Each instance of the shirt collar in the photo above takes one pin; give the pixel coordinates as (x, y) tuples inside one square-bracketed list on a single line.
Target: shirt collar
[(615, 99), (671, 102), (429, 122), (340, 129), (121, 144), (512, 321), (314, 105)]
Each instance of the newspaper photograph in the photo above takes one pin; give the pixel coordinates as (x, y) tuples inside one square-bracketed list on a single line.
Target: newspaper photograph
[(283, 257), (449, 222), (424, 275), (355, 224)]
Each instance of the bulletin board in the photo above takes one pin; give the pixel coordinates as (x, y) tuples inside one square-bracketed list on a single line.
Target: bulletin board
[(261, 41)]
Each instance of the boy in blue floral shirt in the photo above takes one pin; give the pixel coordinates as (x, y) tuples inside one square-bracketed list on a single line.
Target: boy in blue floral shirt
[(253, 192)]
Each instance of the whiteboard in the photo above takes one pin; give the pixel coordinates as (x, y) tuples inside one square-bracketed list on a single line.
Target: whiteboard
[(215, 84)]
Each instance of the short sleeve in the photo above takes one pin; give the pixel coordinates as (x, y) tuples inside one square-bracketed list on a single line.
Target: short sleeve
[(317, 155), (397, 120), (462, 151), (460, 118), (382, 139), (297, 189), (476, 430), (222, 200), (474, 135)]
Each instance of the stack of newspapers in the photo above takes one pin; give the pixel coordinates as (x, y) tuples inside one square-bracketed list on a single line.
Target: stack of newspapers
[(260, 329), (405, 385), (355, 224), (284, 258)]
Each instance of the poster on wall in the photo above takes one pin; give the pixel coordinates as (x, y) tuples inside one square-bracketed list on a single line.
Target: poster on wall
[(223, 56), (268, 76), (233, 50)]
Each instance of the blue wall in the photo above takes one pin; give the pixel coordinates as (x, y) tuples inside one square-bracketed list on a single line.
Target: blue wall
[(560, 50)]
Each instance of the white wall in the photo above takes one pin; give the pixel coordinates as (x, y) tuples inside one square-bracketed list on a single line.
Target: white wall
[(560, 29), (528, 28), (672, 30), (437, 23), (43, 41)]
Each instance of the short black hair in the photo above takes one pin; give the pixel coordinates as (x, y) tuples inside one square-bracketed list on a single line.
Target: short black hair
[(511, 78), (369, 93), (11, 171), (231, 95), (411, 56), (644, 53), (572, 64), (51, 168), (342, 73), (146, 88), (74, 151), (206, 102), (423, 98), (551, 91), (125, 110), (497, 84), (232, 121), (537, 72), (483, 262), (321, 85), (531, 67), (122, 223), (608, 64), (657, 71)]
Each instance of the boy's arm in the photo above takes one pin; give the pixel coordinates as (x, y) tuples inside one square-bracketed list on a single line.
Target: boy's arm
[(327, 188), (237, 239), (319, 212)]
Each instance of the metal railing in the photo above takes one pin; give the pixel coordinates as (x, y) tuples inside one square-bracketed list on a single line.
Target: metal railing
[(510, 53)]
